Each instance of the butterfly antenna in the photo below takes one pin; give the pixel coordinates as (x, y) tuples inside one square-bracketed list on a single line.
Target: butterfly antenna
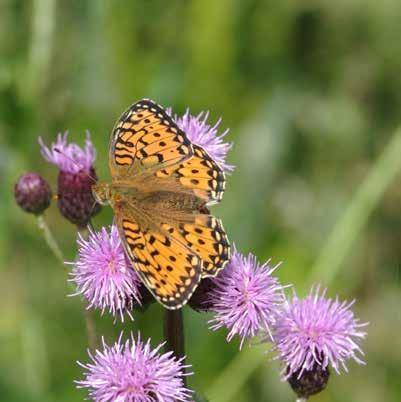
[(75, 163), (92, 209)]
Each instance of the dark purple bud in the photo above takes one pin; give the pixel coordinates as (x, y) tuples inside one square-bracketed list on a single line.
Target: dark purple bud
[(310, 382), (32, 193), (201, 300), (75, 198)]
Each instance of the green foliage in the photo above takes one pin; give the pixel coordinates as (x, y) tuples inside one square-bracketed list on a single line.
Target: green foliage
[(312, 94)]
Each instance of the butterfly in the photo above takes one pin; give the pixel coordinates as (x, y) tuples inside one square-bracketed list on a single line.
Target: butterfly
[(162, 185)]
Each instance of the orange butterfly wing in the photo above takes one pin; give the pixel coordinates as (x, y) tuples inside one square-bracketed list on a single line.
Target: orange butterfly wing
[(204, 235), (169, 270), (145, 136), (200, 174)]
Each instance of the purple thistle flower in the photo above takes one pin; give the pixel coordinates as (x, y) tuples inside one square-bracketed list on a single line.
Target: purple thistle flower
[(131, 371), (246, 297), (103, 274), (71, 158), (206, 136), (75, 179), (316, 331)]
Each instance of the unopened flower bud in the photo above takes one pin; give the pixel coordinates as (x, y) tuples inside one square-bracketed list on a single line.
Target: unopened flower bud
[(32, 193), (75, 198), (310, 382)]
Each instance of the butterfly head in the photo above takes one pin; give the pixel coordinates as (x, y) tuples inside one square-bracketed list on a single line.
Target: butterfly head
[(102, 192)]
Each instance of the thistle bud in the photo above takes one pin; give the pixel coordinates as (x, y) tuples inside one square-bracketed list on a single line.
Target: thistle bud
[(310, 382), (32, 193), (75, 198)]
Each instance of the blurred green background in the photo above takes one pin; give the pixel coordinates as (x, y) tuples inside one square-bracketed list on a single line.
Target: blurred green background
[(311, 92)]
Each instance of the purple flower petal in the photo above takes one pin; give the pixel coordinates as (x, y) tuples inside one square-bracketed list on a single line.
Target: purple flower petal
[(246, 297), (103, 274), (131, 371), (70, 158), (316, 330), (201, 133)]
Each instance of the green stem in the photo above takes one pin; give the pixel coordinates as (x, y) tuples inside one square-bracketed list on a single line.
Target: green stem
[(49, 238), (174, 333), (54, 247), (241, 367), (90, 330)]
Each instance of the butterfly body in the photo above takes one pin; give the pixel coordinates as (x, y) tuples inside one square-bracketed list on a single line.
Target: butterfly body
[(161, 186)]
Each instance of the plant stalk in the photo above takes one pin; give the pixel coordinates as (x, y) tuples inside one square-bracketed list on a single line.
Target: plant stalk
[(55, 248), (50, 239), (174, 334)]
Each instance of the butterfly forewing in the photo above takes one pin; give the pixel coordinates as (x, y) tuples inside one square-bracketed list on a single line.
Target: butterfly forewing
[(200, 174), (146, 137)]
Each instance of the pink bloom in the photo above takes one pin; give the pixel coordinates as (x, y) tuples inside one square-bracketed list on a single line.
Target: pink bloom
[(201, 133), (131, 371), (69, 157), (103, 274), (317, 330), (246, 298)]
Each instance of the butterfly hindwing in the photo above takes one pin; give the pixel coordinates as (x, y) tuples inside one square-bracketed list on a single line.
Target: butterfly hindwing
[(200, 174), (146, 137), (205, 236), (169, 270)]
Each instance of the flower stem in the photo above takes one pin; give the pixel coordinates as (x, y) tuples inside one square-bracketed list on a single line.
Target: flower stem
[(241, 367), (55, 248), (50, 240), (90, 330), (174, 333)]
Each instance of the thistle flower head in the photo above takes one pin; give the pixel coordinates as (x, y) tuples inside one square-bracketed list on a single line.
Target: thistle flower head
[(246, 297), (103, 274), (69, 157), (32, 193), (317, 331), (132, 371), (75, 179), (201, 133)]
